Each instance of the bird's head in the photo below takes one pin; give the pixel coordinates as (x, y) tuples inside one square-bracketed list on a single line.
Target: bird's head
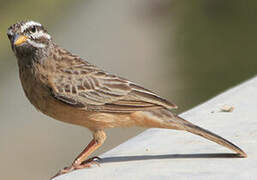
[(28, 38)]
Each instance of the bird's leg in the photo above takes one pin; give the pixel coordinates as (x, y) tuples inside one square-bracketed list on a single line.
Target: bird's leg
[(81, 161)]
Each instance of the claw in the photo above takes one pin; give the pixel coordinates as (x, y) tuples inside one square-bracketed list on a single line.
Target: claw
[(93, 159), (89, 162), (85, 164), (97, 158), (64, 171)]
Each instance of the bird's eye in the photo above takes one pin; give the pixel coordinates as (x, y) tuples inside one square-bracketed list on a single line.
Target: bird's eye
[(33, 29)]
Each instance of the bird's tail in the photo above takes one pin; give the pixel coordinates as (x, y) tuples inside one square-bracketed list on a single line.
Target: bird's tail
[(210, 136), (171, 121)]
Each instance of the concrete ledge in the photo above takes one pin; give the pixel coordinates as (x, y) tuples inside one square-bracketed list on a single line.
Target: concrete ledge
[(166, 154)]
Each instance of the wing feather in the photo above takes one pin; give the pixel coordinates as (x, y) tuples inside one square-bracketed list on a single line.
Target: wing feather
[(101, 91)]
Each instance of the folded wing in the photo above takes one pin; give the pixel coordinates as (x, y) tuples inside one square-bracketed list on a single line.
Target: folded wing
[(87, 86)]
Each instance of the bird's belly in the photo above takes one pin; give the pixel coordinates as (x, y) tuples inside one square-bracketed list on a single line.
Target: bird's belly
[(80, 116), (40, 96)]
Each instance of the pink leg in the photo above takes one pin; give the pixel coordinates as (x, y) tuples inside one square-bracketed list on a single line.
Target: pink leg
[(80, 162)]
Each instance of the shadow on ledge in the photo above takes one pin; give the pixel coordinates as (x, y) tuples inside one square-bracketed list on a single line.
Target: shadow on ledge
[(167, 156)]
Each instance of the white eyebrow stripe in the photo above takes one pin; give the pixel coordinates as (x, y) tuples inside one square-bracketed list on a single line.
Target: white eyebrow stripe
[(29, 24), (39, 34), (35, 44)]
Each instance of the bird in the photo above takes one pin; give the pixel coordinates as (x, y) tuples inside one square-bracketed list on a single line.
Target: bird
[(70, 89)]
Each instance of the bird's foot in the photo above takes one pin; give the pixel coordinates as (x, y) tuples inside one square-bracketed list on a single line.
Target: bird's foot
[(75, 166)]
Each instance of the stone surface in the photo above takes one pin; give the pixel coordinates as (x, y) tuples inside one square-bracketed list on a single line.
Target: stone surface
[(166, 154)]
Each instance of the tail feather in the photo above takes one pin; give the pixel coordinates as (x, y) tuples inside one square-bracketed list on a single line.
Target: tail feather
[(211, 136), (163, 118)]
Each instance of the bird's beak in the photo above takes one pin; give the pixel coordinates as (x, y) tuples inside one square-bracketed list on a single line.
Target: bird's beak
[(20, 39)]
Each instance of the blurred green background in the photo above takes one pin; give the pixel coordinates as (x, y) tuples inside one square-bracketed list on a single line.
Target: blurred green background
[(186, 51)]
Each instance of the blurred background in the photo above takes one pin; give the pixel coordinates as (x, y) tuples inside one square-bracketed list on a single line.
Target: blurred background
[(186, 51)]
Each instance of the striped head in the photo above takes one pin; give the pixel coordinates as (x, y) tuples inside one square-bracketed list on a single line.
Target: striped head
[(27, 37)]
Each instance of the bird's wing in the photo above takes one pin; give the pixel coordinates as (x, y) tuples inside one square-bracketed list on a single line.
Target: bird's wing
[(84, 85)]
